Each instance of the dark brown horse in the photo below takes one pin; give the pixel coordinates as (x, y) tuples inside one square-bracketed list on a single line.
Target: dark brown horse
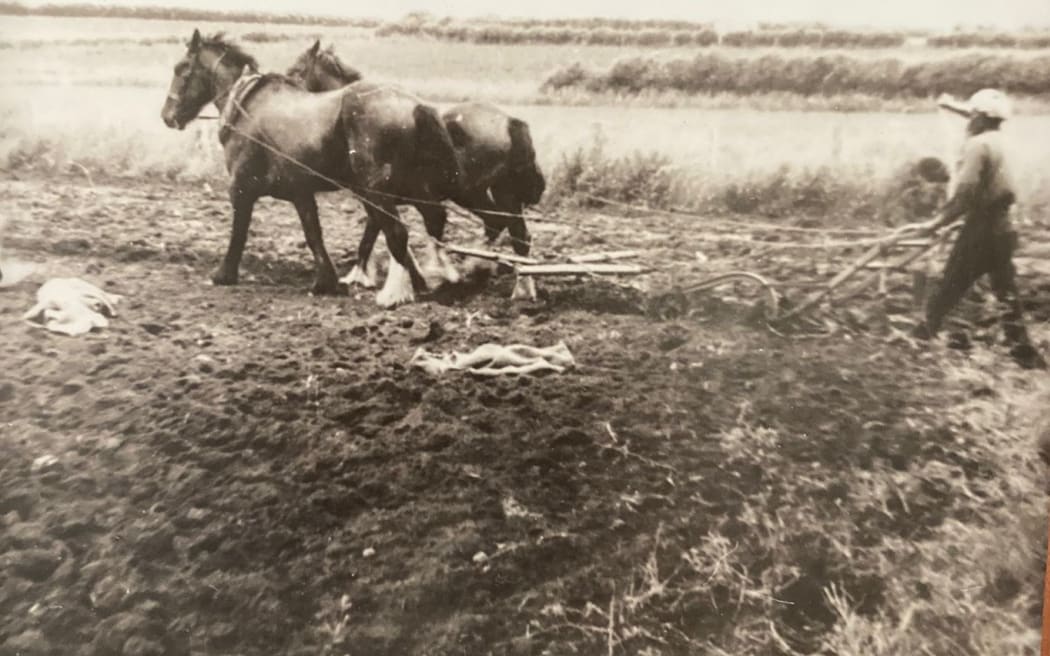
[(500, 173), (283, 141)]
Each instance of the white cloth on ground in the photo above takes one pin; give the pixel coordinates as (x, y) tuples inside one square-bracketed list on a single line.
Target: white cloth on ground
[(71, 306), (497, 360)]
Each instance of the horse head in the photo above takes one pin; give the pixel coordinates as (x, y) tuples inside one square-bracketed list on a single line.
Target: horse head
[(322, 70), (203, 75), (304, 66)]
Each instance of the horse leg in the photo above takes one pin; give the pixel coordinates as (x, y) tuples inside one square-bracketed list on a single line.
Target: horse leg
[(479, 204), (403, 278), (521, 241), (496, 213), (227, 273), (364, 271), (435, 218), (325, 279)]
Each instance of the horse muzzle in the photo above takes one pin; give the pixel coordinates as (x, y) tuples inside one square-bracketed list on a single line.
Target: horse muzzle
[(170, 114), (172, 121)]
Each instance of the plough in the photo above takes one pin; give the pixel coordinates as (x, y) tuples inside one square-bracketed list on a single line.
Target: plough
[(894, 252)]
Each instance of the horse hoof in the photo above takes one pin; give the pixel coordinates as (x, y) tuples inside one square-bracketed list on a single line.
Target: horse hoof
[(451, 275), (389, 300), (357, 276), (444, 274), (524, 289), (223, 279)]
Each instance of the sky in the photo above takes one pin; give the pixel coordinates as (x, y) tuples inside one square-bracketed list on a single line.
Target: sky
[(929, 14)]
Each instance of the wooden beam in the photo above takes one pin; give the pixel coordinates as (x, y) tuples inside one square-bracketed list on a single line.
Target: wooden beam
[(602, 257), (580, 269), (490, 255), (883, 266)]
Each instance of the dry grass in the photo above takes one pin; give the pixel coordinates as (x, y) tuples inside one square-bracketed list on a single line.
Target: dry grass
[(770, 163), (852, 170)]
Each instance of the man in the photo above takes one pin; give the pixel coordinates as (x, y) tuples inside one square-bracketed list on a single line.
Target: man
[(984, 192)]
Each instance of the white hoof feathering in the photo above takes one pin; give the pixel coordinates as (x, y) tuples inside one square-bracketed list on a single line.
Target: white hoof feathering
[(439, 264), (398, 286), (524, 288), (363, 277)]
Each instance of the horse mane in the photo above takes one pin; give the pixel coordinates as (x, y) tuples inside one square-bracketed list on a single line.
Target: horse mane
[(234, 52), (330, 62), (281, 78)]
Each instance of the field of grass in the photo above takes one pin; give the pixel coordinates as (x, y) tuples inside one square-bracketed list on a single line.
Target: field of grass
[(697, 159), (700, 157)]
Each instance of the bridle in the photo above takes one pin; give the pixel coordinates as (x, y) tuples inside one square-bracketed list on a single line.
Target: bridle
[(176, 96)]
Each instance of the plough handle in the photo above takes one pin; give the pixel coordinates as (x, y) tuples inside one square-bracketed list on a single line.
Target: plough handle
[(871, 254)]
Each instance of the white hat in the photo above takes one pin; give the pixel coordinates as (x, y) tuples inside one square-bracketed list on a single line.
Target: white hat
[(992, 103)]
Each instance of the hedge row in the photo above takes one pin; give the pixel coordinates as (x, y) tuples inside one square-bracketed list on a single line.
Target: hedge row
[(814, 76), (597, 23), (810, 76), (813, 39), (603, 31), (543, 32), (989, 40), (507, 34)]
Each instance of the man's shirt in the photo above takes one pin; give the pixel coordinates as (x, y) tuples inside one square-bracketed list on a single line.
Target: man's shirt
[(984, 187)]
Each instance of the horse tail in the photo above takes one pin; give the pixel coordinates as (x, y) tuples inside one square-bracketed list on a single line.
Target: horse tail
[(528, 178), (436, 154)]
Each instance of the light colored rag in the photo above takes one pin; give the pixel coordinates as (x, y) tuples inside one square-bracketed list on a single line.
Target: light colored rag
[(497, 360), (71, 306)]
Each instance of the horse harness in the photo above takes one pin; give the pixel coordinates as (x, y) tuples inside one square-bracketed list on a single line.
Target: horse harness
[(234, 106)]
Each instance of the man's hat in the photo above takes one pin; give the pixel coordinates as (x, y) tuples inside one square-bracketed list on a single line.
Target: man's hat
[(992, 103), (989, 102)]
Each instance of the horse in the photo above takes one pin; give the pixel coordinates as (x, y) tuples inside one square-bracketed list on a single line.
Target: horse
[(498, 161), (283, 141)]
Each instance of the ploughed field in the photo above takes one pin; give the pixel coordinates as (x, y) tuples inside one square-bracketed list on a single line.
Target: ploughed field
[(252, 470)]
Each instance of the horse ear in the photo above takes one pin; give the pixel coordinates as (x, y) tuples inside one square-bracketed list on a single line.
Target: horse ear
[(316, 47), (195, 40)]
